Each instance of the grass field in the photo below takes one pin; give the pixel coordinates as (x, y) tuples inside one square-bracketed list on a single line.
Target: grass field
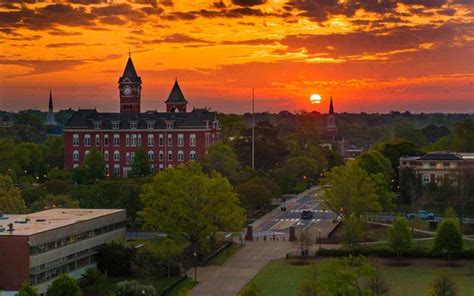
[(428, 244), (222, 257), (279, 278)]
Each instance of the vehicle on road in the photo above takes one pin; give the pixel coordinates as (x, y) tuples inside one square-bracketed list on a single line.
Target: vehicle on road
[(307, 214), (422, 214)]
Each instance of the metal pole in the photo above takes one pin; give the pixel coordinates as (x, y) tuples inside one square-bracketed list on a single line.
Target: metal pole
[(253, 129)]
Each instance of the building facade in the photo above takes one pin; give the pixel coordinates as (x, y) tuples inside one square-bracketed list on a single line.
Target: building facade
[(434, 167), (38, 247), (168, 138)]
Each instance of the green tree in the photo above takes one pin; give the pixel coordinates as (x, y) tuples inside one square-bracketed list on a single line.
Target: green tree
[(114, 259), (448, 238), (443, 284), (54, 201), (349, 191), (133, 288), (406, 131), (10, 198), (53, 151), (382, 189), (169, 251), (463, 136), (144, 264), (297, 174), (250, 290), (186, 202), (64, 286), (254, 195), (376, 285), (373, 162), (222, 159), (337, 277), (27, 290), (400, 237), (353, 231), (91, 169), (141, 164), (410, 186), (232, 126)]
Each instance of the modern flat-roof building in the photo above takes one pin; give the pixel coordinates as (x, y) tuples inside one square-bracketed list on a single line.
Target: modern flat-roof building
[(435, 166), (40, 246)]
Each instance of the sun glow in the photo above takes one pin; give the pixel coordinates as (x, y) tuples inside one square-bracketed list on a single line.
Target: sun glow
[(315, 99)]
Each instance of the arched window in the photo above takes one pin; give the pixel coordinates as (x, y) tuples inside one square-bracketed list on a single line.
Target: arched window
[(75, 140), (170, 155), (106, 155), (116, 140), (116, 170), (75, 155), (180, 156), (116, 155), (161, 156), (87, 140), (192, 155), (151, 155)]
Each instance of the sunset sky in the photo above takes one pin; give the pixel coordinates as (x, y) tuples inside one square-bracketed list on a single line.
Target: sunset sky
[(370, 55)]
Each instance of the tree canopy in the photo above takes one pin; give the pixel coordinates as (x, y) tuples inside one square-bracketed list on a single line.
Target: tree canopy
[(10, 198)]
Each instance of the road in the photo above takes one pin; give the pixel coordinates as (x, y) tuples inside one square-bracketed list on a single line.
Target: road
[(279, 222)]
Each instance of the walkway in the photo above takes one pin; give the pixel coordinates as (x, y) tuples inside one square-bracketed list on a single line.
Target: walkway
[(238, 270)]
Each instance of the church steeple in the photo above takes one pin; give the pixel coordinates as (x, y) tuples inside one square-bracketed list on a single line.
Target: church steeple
[(331, 108), (176, 100), (50, 106), (130, 86), (331, 126), (50, 118)]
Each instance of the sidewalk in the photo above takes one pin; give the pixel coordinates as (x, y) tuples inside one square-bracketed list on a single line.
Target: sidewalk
[(238, 270)]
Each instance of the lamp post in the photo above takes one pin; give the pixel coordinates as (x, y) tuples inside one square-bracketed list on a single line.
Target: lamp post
[(319, 238), (195, 266)]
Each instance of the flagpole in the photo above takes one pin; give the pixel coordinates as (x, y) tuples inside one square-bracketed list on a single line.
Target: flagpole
[(253, 129)]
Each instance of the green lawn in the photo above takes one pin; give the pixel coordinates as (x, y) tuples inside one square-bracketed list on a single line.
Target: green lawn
[(428, 244), (187, 284), (222, 257), (279, 278), (160, 283)]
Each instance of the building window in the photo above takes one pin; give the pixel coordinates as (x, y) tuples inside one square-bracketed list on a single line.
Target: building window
[(151, 140), (133, 125), (134, 140), (425, 178), (87, 140), (192, 140), (426, 165), (170, 140), (151, 125), (116, 140), (127, 158), (170, 156), (213, 138), (139, 140), (106, 169), (161, 156), (132, 157), (180, 140), (106, 155), (208, 139), (75, 155), (180, 156), (97, 140), (216, 124), (96, 125), (127, 140), (169, 125), (161, 167), (160, 140), (116, 155), (106, 140), (192, 155), (115, 125), (116, 170), (151, 155), (75, 140)]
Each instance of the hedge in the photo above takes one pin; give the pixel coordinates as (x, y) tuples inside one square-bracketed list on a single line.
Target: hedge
[(389, 253)]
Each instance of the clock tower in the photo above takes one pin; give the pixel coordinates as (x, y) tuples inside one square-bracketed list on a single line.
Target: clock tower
[(130, 88)]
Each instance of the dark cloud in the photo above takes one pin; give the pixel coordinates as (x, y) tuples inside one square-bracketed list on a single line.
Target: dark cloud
[(43, 66), (251, 42), (69, 44), (58, 32), (178, 38), (248, 3), (113, 20), (219, 4)]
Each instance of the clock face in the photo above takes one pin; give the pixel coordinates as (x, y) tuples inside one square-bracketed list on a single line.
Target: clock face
[(127, 90)]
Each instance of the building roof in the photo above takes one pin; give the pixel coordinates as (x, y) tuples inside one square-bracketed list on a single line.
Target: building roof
[(85, 118), (441, 155), (331, 107), (176, 95), (130, 73), (29, 224)]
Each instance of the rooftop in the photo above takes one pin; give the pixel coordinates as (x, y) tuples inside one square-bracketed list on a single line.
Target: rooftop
[(48, 220)]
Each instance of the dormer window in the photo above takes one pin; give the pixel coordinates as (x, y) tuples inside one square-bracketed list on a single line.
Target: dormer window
[(169, 125), (96, 125), (133, 125), (151, 125), (115, 125), (216, 124)]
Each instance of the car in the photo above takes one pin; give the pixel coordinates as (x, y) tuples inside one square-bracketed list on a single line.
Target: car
[(306, 214), (422, 214)]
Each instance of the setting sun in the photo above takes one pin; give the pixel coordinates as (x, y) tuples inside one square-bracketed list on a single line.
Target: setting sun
[(315, 99)]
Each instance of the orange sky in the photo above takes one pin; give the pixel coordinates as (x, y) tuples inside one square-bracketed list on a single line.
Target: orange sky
[(370, 55)]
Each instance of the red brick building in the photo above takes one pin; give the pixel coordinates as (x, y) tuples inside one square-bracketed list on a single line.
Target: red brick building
[(169, 138)]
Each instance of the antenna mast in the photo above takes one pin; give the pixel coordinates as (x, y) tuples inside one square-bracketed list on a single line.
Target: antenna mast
[(253, 129)]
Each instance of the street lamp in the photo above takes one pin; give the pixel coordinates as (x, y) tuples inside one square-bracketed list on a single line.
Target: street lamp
[(195, 266)]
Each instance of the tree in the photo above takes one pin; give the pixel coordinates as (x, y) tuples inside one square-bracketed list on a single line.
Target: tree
[(305, 240), (296, 174), (463, 136), (406, 131), (400, 237), (133, 288), (141, 164), (448, 238), (443, 284), (32, 193), (382, 189), (115, 259), (373, 162), (27, 290), (64, 286), (169, 251), (222, 159), (337, 277), (349, 191), (353, 231), (410, 186), (10, 198), (54, 201), (250, 290), (376, 285), (53, 151), (185, 202), (91, 169), (144, 264), (254, 195), (232, 126), (92, 277)]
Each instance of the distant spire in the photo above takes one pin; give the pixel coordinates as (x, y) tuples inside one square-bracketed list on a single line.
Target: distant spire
[(50, 107), (130, 72), (331, 107), (129, 53), (176, 95)]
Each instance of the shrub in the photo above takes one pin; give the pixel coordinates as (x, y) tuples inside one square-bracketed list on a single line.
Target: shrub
[(400, 237), (115, 259), (64, 285), (448, 238), (133, 288)]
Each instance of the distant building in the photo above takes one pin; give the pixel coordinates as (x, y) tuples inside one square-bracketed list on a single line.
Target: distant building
[(52, 128), (169, 138), (7, 120), (435, 166), (41, 246), (332, 140)]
